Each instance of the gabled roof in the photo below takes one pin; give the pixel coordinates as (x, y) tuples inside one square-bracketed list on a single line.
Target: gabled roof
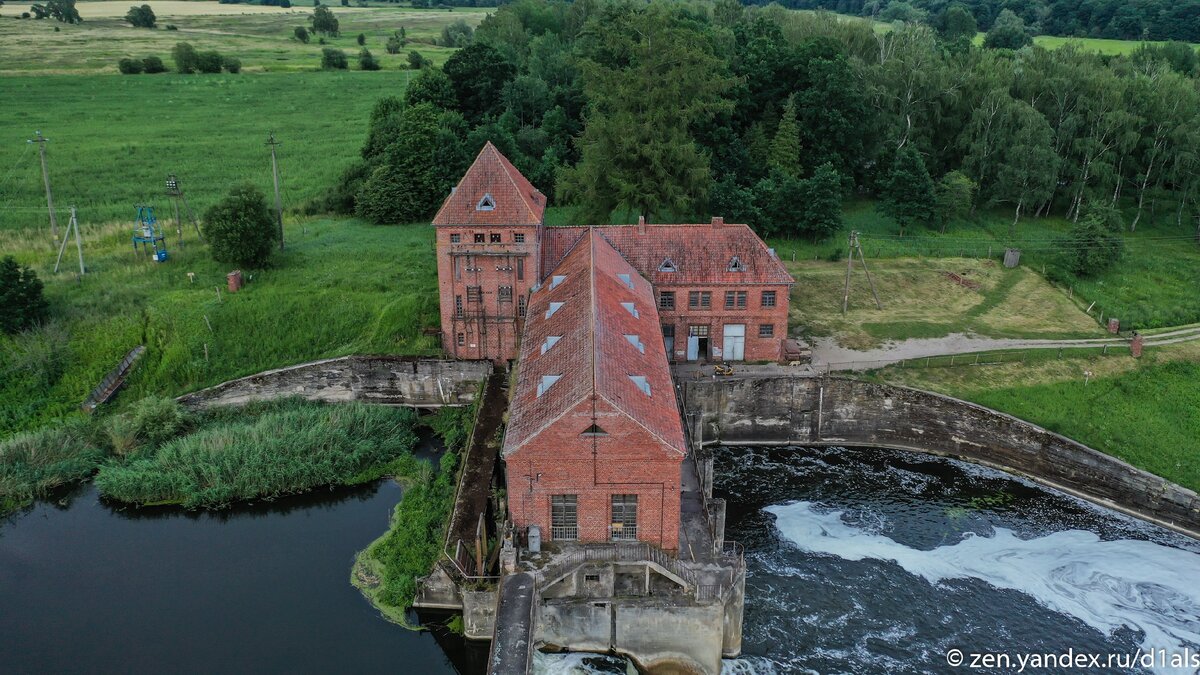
[(492, 178), (594, 357), (699, 254)]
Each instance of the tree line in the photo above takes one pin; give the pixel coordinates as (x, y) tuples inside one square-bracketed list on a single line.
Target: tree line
[(767, 116)]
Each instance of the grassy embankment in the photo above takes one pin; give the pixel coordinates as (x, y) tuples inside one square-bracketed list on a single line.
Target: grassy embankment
[(386, 571), (262, 37)]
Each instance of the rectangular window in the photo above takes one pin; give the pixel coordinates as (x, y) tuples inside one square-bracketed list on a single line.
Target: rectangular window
[(766, 330), (666, 300), (455, 238), (519, 237), (520, 269), (730, 298), (505, 293), (564, 517), (705, 299), (740, 299), (474, 294), (458, 307), (624, 517), (768, 298), (478, 237), (668, 332), (521, 307), (495, 237), (462, 339)]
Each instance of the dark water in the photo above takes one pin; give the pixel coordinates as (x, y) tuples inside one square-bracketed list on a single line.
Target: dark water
[(262, 588), (870, 561)]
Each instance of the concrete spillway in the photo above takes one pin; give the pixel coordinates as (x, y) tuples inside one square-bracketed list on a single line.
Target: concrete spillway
[(512, 641)]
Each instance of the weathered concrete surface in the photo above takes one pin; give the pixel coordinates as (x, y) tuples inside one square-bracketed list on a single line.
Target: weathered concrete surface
[(479, 614), (836, 411), (388, 380), (512, 647)]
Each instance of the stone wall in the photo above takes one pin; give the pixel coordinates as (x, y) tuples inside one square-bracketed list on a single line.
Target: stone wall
[(388, 380), (835, 411)]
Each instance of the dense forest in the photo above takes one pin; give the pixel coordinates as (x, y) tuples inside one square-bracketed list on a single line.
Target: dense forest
[(1117, 19), (769, 116)]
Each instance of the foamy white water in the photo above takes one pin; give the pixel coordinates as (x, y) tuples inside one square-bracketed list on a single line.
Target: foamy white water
[(1106, 584)]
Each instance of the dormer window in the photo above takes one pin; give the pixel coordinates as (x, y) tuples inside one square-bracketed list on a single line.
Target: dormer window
[(547, 382), (631, 309), (594, 430), (636, 341), (551, 340), (554, 307), (627, 280), (667, 266), (736, 265), (641, 382), (556, 280), (486, 203)]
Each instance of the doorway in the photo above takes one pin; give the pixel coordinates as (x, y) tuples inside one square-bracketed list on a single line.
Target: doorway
[(735, 341), (697, 343)]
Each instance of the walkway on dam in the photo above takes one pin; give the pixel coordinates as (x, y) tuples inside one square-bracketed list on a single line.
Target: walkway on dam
[(512, 640)]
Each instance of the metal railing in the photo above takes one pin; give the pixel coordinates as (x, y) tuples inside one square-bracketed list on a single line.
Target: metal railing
[(622, 532), (982, 358), (564, 532)]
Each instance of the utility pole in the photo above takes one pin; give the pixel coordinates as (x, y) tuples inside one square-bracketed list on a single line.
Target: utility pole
[(41, 142), (275, 175), (73, 225), (856, 246)]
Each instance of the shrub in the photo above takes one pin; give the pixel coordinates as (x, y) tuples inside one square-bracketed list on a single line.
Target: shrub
[(209, 62), (394, 44), (149, 423), (130, 66), (333, 59), (366, 61), (361, 39), (185, 57), (240, 229), (301, 34), (232, 64), (21, 301), (172, 26), (153, 64), (141, 17), (416, 61), (457, 34), (324, 22)]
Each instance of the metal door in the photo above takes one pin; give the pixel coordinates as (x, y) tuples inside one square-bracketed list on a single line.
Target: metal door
[(735, 342)]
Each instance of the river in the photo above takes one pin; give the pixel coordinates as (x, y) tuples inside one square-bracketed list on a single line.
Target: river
[(859, 561)]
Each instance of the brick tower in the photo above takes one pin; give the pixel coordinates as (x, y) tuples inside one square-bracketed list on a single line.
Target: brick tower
[(489, 233)]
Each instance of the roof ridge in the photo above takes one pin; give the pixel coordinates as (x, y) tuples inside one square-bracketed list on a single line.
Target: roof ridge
[(506, 165)]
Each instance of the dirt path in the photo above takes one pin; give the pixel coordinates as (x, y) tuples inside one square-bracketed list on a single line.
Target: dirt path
[(826, 352)]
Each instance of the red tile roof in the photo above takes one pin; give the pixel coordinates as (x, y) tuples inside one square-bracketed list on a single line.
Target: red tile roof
[(700, 254), (593, 356), (517, 202)]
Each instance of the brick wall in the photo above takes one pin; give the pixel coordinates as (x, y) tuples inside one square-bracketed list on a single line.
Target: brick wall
[(628, 460), (488, 325), (716, 316)]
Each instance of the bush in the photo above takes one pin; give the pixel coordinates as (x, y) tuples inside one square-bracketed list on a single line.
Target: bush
[(153, 64), (232, 64), (334, 59), (130, 66), (394, 44), (141, 17), (366, 61), (21, 301), (185, 57), (172, 26), (361, 39), (240, 228), (149, 423), (1092, 246), (301, 34), (416, 61), (209, 62), (458, 34)]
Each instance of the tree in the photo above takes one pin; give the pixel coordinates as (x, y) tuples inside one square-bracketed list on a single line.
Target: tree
[(1008, 32), (231, 64), (153, 64), (810, 208), (478, 74), (785, 148), (333, 59), (324, 22), (528, 98), (185, 57), (822, 198), (900, 10), (1028, 167), (1091, 246), (416, 61), (952, 200), (361, 39), (21, 301), (63, 11), (409, 180), (907, 196), (458, 34), (141, 17), (240, 228), (301, 34), (130, 66), (431, 86), (394, 44), (209, 62), (958, 22), (366, 61)]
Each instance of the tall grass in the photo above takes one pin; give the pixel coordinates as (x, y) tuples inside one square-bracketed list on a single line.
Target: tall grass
[(284, 452), (32, 464)]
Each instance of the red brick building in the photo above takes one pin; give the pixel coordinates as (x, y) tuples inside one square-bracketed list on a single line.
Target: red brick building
[(488, 252), (594, 445)]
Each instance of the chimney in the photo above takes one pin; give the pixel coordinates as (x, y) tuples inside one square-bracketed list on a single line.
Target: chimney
[(718, 221), (641, 224)]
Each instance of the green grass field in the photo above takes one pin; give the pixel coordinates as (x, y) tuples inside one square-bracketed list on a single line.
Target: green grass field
[(262, 40)]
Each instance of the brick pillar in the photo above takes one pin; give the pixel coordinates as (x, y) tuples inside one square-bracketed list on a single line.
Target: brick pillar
[(1135, 346), (1114, 326)]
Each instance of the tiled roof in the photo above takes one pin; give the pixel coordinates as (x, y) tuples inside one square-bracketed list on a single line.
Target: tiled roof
[(514, 200), (700, 254), (593, 355)]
